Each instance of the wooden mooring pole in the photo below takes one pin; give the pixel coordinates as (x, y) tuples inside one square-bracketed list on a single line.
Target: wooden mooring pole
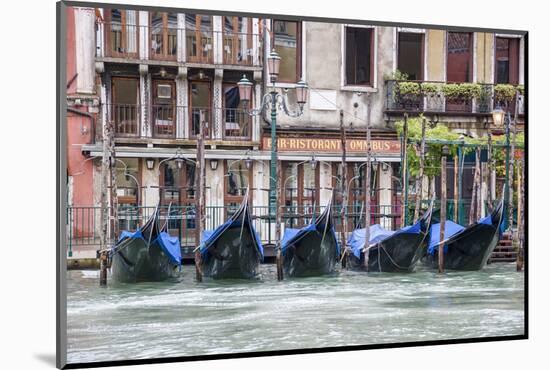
[(520, 229), (455, 189), (199, 193), (106, 164), (367, 188), (443, 210), (404, 177), (343, 184)]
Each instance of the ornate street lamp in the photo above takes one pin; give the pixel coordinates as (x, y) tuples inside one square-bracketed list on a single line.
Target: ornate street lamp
[(273, 64), (498, 116), (272, 100)]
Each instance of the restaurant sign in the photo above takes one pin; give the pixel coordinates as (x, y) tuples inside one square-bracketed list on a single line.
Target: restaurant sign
[(302, 144)]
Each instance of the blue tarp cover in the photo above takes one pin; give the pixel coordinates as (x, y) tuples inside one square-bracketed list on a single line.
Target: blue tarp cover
[(291, 236), (377, 234), (486, 220), (451, 229), (209, 237), (170, 245), (128, 234)]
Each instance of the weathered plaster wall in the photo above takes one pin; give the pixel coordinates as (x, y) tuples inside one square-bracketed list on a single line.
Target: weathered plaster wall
[(436, 55)]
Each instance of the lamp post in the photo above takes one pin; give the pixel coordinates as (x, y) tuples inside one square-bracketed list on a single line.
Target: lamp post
[(272, 100)]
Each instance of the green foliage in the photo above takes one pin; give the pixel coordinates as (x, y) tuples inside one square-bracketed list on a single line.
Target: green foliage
[(432, 159), (465, 90), (429, 88), (520, 89), (505, 92), (409, 88), (397, 75), (432, 162)]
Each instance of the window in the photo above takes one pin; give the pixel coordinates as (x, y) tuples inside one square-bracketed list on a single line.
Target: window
[(124, 110), (237, 123), (199, 39), (199, 110), (163, 108), (127, 176), (164, 39), (410, 59), (459, 57), (177, 187), (507, 60), (359, 56), (238, 178), (356, 180), (237, 40), (287, 42), (300, 195), (121, 33)]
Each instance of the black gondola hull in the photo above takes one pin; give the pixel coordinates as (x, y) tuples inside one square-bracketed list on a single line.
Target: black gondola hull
[(470, 250), (136, 261), (398, 253), (311, 256), (233, 256)]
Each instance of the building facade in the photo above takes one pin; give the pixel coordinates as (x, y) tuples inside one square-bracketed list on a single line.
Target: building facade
[(157, 77)]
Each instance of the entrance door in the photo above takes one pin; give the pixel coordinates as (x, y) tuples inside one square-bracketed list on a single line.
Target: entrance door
[(300, 196), (177, 187), (199, 108)]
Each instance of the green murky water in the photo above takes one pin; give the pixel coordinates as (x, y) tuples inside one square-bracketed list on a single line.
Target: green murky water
[(183, 318)]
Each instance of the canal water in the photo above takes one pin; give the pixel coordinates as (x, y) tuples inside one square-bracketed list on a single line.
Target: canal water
[(184, 318)]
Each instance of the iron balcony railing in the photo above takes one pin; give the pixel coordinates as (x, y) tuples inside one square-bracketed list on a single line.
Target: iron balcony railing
[(235, 124), (429, 97), (122, 40)]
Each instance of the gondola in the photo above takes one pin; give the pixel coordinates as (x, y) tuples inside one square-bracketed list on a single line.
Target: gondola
[(148, 254), (233, 250), (312, 250), (390, 251), (466, 248)]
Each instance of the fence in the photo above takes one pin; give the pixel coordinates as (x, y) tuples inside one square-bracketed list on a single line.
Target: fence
[(84, 223)]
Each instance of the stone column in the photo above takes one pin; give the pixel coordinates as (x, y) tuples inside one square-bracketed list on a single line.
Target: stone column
[(144, 100), (143, 35), (257, 119), (182, 112), (217, 39), (216, 121), (182, 47), (385, 194), (150, 182), (85, 50), (325, 182)]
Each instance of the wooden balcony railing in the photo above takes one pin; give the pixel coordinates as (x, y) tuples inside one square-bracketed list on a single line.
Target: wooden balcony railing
[(178, 44)]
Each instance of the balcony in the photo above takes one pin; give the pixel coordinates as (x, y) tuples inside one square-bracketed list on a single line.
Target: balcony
[(450, 98), (235, 124), (123, 42), (125, 118)]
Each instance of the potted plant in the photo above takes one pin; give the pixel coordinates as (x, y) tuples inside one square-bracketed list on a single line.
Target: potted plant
[(505, 92)]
